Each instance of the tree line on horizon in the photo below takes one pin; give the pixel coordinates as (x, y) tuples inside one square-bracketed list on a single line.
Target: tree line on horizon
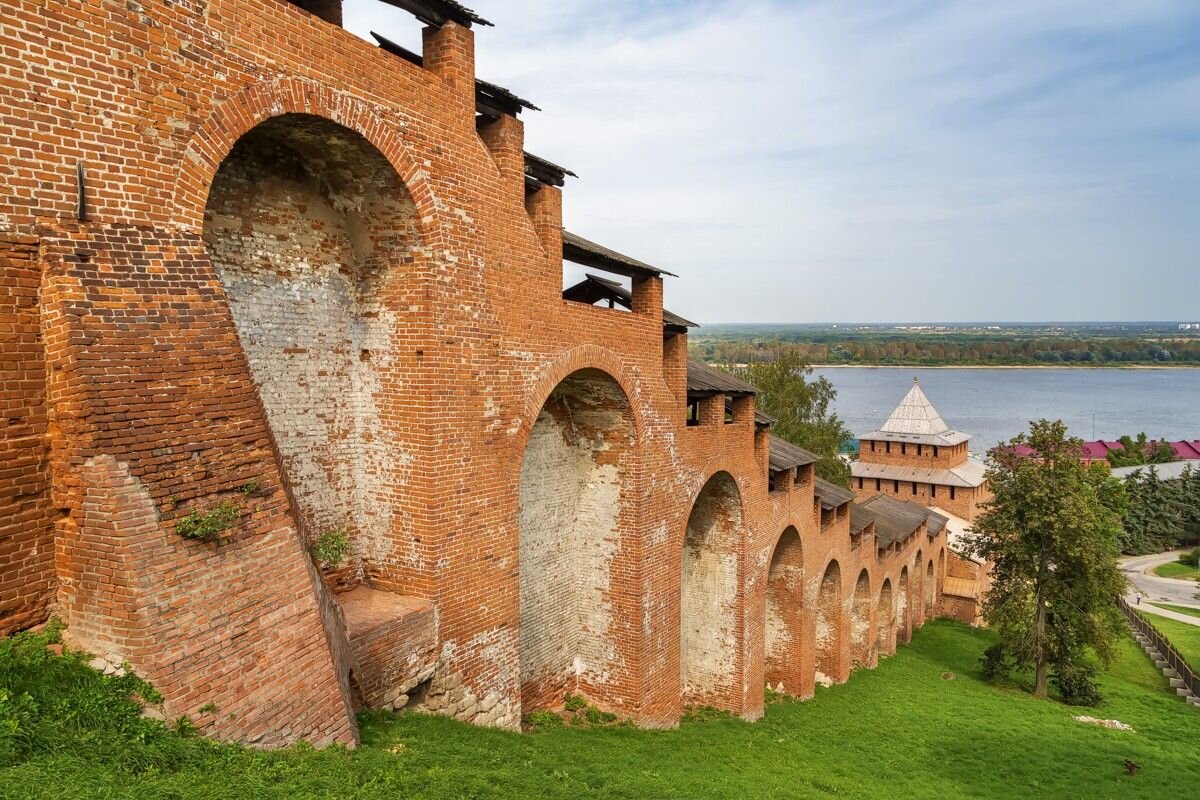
[(732, 347)]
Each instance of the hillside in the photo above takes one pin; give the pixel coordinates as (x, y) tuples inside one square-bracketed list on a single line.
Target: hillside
[(903, 730)]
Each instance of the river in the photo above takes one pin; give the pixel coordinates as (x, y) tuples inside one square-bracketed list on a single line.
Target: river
[(996, 404)]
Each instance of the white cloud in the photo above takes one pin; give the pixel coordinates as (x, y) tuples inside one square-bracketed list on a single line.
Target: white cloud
[(898, 160)]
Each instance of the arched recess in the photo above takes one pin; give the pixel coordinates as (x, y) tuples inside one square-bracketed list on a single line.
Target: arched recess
[(276, 96), (862, 644), (885, 625), (709, 630), (930, 590), (313, 233), (917, 604), (830, 628), (574, 511), (903, 622), (784, 626)]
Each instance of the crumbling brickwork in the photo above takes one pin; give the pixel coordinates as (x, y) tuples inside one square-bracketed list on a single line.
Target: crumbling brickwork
[(302, 278)]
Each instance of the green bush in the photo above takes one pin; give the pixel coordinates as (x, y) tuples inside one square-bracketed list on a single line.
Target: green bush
[(597, 717), (537, 720), (995, 663), (207, 526), (331, 548), (1192, 559), (1077, 684)]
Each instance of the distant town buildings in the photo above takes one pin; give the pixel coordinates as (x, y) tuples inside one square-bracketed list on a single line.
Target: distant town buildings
[(1098, 450)]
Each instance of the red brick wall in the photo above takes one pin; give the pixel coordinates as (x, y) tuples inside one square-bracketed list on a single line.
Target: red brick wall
[(965, 503), (26, 516), (155, 418), (158, 409), (905, 454)]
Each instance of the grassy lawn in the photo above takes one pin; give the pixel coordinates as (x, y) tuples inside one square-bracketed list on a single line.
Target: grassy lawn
[(1185, 638), (1191, 612), (901, 730), (1177, 569)]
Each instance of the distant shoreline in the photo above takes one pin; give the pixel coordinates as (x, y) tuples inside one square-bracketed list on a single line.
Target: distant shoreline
[(1005, 366)]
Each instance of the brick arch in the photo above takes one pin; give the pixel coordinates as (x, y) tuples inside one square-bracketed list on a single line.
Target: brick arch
[(576, 512), (710, 626), (885, 619), (586, 356), (862, 644), (830, 632), (240, 113), (903, 606), (785, 639)]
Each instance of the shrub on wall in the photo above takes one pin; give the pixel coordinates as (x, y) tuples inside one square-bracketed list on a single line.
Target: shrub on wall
[(207, 526), (331, 548)]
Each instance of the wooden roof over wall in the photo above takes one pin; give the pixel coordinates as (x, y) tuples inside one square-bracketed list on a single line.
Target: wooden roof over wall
[(579, 250), (703, 379), (438, 12), (897, 520), (831, 495), (593, 289), (785, 455)]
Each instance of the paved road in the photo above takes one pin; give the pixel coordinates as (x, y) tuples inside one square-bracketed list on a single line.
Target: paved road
[(1152, 587)]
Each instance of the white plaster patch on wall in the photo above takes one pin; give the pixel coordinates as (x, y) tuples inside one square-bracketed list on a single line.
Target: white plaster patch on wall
[(570, 509), (708, 639), (307, 227)]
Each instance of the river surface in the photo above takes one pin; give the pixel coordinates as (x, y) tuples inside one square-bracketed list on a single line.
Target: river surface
[(994, 405)]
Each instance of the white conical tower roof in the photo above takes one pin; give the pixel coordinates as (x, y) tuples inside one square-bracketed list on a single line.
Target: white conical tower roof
[(916, 420)]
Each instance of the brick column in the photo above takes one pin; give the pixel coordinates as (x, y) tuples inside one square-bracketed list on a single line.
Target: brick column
[(449, 53), (545, 210), (504, 138)]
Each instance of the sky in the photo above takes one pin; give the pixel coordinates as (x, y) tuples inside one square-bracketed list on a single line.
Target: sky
[(877, 160)]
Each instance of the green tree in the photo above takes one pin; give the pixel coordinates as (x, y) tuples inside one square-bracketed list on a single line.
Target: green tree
[(1134, 453), (1155, 516), (1189, 505), (787, 391), (1051, 533)]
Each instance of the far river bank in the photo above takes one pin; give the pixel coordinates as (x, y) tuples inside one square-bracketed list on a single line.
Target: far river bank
[(993, 404)]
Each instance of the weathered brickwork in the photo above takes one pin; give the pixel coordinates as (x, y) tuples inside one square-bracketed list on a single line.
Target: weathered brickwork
[(26, 514), (307, 282)]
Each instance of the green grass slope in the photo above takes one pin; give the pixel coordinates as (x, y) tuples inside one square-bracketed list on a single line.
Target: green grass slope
[(902, 730), (1177, 569), (1191, 612), (1183, 636)]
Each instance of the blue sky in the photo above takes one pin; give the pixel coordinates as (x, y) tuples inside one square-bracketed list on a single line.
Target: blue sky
[(870, 161)]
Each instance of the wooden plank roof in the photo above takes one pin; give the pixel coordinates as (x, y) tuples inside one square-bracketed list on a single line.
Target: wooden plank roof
[(860, 518), (594, 288), (897, 520), (831, 495), (579, 250), (438, 12), (703, 379), (543, 171), (782, 455)]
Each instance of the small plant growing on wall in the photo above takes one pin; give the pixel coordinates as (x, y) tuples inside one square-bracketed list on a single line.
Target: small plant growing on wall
[(331, 548), (207, 526)]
